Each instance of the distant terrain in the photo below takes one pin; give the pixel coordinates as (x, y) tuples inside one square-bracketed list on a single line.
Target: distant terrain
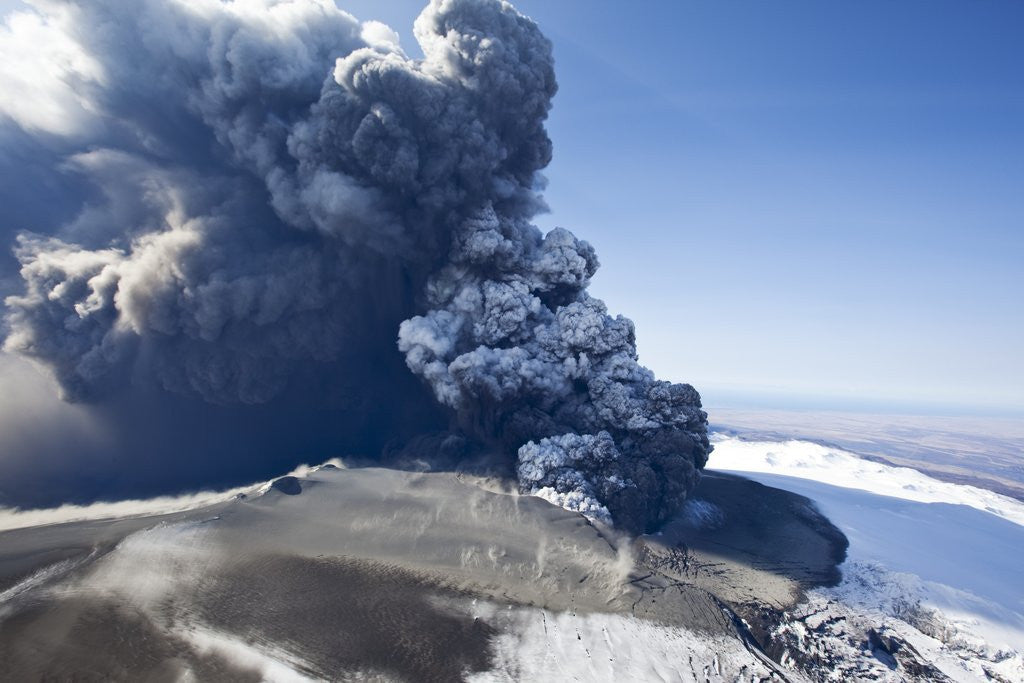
[(978, 451)]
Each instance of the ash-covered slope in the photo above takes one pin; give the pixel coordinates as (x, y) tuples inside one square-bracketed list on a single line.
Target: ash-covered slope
[(264, 195), (394, 575), (376, 574)]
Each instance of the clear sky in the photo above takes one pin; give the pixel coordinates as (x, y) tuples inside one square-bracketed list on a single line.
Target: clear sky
[(798, 198), (802, 199)]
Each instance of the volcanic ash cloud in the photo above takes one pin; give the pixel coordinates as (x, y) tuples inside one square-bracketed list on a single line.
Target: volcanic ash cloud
[(268, 191)]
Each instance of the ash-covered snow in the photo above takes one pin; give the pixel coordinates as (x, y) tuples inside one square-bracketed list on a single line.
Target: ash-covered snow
[(541, 645)]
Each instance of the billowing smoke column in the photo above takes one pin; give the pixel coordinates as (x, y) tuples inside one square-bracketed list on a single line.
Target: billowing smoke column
[(519, 350), (277, 190)]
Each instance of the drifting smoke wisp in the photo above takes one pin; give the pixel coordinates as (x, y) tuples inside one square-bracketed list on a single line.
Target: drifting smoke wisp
[(268, 192)]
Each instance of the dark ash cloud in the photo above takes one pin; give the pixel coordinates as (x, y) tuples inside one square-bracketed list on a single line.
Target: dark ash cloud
[(256, 198)]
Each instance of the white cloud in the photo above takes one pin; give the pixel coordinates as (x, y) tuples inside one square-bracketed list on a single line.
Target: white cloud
[(45, 74)]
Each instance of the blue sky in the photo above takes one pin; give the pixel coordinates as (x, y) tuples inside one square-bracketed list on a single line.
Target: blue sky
[(799, 201)]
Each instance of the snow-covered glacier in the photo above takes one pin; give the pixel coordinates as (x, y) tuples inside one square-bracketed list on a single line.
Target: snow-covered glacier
[(935, 563), (814, 564)]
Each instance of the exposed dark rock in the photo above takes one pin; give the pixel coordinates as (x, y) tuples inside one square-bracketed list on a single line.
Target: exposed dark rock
[(289, 486)]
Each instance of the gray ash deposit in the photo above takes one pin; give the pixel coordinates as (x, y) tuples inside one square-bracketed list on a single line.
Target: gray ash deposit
[(379, 574)]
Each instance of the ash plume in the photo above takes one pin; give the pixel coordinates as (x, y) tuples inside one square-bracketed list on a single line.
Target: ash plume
[(256, 198)]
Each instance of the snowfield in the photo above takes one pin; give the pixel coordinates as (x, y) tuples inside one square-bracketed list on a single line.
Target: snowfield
[(940, 565)]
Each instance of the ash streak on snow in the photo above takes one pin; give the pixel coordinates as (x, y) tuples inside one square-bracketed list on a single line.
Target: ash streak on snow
[(14, 518)]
